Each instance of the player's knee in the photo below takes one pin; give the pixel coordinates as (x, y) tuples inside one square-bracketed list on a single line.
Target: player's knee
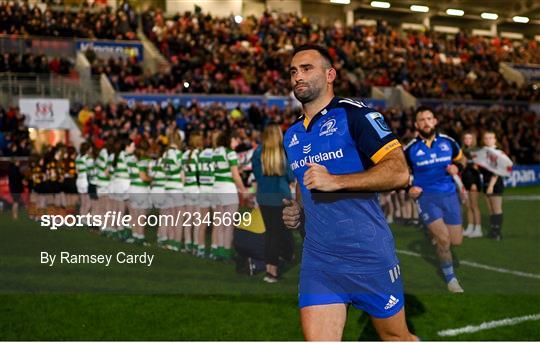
[(456, 241), (396, 336), (443, 242)]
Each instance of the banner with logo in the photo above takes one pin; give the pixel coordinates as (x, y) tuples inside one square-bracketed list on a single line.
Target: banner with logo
[(493, 160), (42, 113), (523, 175), (229, 101), (106, 49)]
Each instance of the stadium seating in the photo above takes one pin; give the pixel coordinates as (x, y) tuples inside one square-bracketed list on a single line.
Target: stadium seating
[(35, 64), (85, 22), (429, 65)]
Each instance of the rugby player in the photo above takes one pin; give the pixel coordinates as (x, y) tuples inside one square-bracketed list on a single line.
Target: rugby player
[(339, 146), (435, 159)]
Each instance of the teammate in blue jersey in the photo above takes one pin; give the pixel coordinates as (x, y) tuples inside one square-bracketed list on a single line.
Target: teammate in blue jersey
[(435, 160), (339, 147)]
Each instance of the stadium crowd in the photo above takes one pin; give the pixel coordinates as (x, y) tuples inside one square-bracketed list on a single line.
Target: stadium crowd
[(220, 55), (35, 64), (86, 21), (428, 64)]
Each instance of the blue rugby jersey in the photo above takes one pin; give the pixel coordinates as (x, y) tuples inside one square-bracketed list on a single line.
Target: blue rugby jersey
[(429, 163), (345, 232)]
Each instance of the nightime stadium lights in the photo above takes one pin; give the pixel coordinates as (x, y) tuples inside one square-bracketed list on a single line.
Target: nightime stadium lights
[(456, 12), (419, 8), (380, 4), (489, 16), (343, 2), (520, 19)]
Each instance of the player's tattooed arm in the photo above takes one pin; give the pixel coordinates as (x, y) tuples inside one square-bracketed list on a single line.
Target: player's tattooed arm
[(391, 172)]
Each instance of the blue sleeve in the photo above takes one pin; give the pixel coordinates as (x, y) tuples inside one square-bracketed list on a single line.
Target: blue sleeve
[(456, 149), (371, 134)]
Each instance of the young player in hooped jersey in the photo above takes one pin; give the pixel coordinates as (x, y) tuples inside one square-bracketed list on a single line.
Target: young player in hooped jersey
[(159, 198), (190, 166), (227, 185), (91, 169), (120, 185), (82, 178), (337, 147), (103, 181), (206, 183), (138, 189), (435, 160), (171, 237)]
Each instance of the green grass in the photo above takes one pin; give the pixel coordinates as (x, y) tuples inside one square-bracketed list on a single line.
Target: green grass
[(184, 298)]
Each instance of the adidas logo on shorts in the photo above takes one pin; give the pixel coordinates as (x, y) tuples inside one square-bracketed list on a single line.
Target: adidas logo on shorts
[(391, 303)]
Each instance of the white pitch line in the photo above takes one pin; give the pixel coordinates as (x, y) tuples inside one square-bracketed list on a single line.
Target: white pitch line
[(489, 325), (481, 266), (530, 197)]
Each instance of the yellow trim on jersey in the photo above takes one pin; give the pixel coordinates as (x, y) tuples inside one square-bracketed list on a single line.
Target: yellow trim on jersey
[(306, 122), (385, 150), (459, 156)]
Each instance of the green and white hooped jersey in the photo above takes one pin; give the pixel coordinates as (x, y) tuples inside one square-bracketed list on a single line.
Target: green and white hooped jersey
[(104, 163), (172, 165), (206, 168), (190, 163), (121, 169), (157, 173), (135, 167), (80, 166), (224, 159), (91, 169)]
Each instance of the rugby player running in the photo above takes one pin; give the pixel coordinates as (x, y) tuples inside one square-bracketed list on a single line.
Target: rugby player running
[(435, 160), (337, 147)]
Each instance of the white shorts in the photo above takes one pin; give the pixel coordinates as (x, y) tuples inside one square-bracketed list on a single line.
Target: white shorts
[(119, 189), (205, 197), (191, 196), (159, 198), (103, 190), (225, 193), (82, 185), (139, 197), (175, 198)]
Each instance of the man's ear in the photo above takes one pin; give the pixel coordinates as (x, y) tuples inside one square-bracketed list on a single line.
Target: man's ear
[(331, 75)]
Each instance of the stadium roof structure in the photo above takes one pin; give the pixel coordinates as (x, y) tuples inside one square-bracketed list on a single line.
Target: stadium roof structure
[(500, 13)]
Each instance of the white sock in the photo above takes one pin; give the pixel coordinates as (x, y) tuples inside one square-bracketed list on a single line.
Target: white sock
[(469, 227), (478, 227)]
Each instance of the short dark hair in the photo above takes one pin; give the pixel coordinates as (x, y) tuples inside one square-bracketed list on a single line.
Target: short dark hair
[(319, 48), (423, 109)]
